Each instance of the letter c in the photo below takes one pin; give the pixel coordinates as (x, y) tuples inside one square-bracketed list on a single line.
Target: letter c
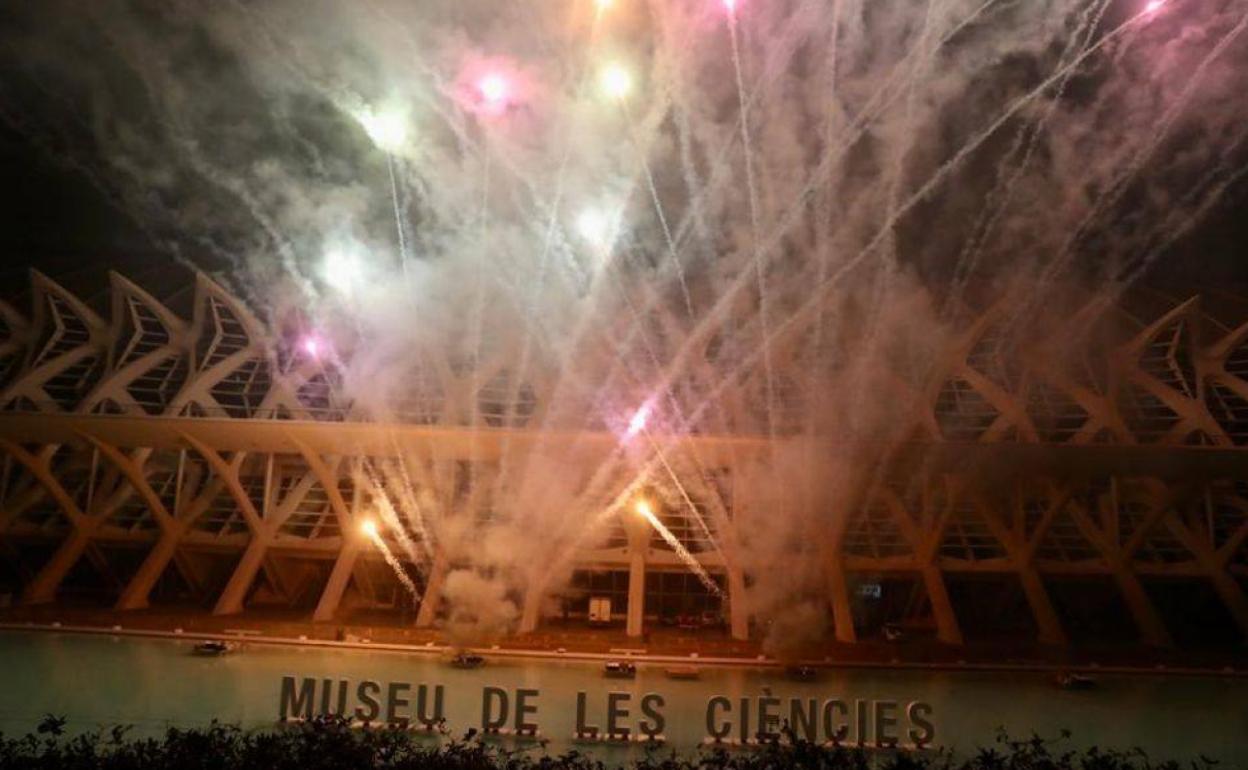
[(721, 732)]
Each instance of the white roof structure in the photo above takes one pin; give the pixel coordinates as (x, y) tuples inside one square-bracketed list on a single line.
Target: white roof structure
[(212, 452)]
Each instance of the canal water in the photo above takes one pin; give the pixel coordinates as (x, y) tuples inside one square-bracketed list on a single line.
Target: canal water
[(154, 683)]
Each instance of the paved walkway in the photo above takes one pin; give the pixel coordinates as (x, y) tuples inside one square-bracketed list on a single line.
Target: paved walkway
[(576, 639)]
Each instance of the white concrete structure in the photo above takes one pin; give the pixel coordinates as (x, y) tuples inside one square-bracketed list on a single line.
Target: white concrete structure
[(208, 453)]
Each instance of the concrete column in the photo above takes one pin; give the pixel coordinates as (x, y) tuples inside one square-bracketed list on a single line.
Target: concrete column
[(1047, 621), (738, 612), (338, 579), (135, 595), (636, 591), (530, 615), (433, 593), (230, 602), (838, 595), (42, 589), (1152, 629), (947, 629), (639, 533)]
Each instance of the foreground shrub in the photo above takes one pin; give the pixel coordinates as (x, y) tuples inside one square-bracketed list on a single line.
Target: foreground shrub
[(332, 743)]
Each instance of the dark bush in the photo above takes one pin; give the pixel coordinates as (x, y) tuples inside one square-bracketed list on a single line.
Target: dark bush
[(333, 744)]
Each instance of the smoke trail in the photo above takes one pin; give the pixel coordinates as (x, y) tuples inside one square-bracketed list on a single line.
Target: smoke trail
[(643, 508), (760, 273), (1120, 183), (398, 217), (388, 514), (684, 494), (399, 572)]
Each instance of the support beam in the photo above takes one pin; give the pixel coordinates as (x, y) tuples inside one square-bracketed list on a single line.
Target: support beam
[(338, 579), (235, 592), (228, 473), (947, 629), (1215, 566), (327, 475), (639, 533), (12, 509), (132, 470), (135, 595), (531, 614), (838, 595), (364, 584), (738, 604), (40, 468), (279, 579), (42, 590), (433, 591), (636, 591), (1047, 622), (1010, 531), (188, 568), (305, 576), (98, 562), (1152, 629)]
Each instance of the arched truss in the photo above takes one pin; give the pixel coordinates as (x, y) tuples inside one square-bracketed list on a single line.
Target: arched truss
[(214, 449)]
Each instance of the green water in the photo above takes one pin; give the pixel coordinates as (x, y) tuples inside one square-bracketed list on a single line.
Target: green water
[(152, 683)]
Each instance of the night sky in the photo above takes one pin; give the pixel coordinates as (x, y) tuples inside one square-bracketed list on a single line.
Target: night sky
[(57, 220)]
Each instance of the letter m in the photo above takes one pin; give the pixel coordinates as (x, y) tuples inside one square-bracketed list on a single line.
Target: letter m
[(297, 704)]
